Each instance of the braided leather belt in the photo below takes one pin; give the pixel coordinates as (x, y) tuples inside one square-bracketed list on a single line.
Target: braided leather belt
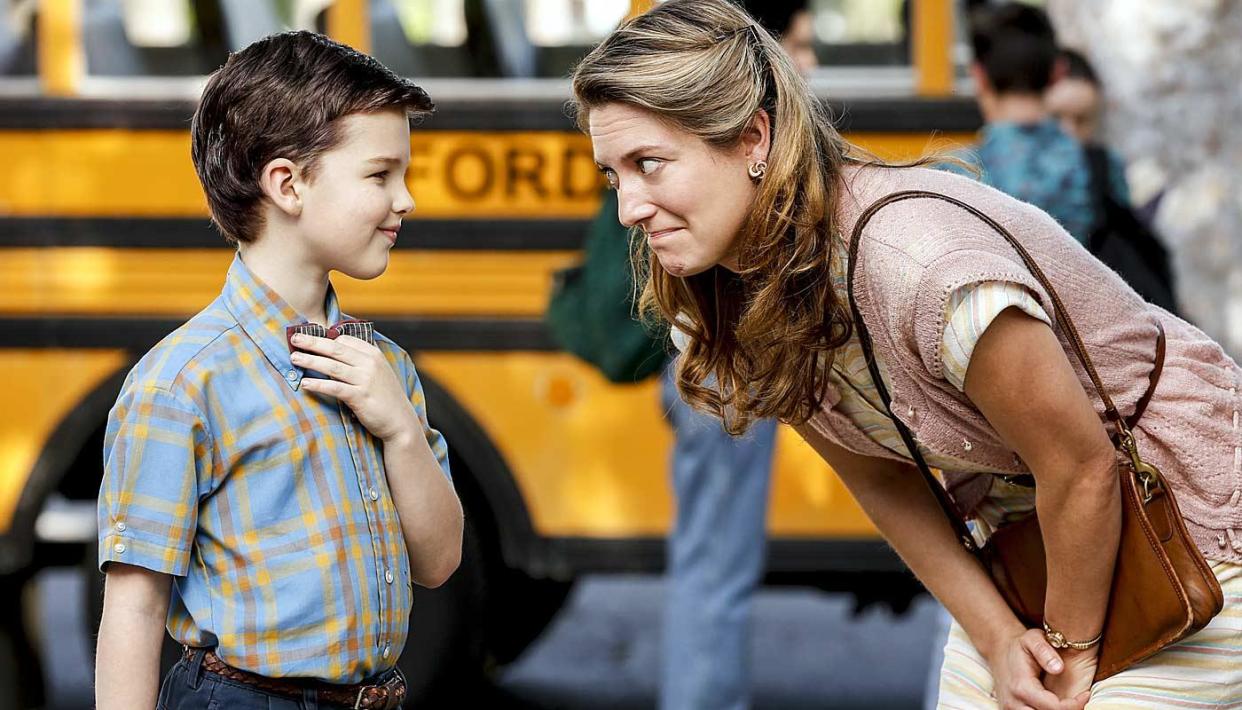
[(384, 696)]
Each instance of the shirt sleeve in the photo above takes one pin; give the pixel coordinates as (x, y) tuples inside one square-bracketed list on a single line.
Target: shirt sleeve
[(157, 450), (414, 387), (968, 313)]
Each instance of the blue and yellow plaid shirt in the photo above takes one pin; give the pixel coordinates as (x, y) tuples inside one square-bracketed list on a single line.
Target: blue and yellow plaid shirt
[(267, 504)]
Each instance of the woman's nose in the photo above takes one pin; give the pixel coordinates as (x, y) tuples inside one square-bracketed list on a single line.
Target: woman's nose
[(633, 208)]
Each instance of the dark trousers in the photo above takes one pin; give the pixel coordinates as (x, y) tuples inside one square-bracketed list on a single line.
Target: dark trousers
[(188, 687)]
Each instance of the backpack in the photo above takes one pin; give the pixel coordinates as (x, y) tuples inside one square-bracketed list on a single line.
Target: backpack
[(592, 311), (1125, 243)]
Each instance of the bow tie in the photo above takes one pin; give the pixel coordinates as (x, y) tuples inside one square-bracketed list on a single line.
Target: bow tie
[(361, 329)]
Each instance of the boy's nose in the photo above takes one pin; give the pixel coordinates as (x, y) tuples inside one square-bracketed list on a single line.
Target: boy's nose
[(404, 203)]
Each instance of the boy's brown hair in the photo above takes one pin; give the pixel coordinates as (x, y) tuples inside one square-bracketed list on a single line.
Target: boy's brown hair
[(281, 97)]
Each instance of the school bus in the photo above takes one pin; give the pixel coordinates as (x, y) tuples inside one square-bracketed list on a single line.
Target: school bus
[(105, 246)]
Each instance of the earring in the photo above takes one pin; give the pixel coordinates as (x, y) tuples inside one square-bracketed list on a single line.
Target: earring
[(757, 170)]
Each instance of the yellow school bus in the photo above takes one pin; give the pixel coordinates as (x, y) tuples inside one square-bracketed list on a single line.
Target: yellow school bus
[(105, 246)]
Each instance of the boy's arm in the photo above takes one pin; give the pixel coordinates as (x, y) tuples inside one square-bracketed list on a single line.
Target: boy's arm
[(415, 458), (431, 515), (131, 633)]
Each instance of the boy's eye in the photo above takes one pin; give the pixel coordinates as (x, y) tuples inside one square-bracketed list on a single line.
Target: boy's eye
[(646, 166), (381, 175)]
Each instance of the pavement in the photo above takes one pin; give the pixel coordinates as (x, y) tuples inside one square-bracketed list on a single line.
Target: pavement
[(810, 650)]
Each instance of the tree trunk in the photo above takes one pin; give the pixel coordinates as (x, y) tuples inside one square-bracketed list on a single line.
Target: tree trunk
[(1171, 74)]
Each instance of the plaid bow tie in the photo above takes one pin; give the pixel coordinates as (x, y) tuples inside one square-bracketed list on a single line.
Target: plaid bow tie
[(361, 329)]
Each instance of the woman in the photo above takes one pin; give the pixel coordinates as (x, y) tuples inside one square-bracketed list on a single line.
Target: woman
[(744, 195)]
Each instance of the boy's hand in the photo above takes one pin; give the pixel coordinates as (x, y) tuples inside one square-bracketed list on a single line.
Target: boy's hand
[(362, 379)]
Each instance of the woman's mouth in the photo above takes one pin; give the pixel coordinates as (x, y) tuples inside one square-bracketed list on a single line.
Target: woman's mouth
[(661, 233)]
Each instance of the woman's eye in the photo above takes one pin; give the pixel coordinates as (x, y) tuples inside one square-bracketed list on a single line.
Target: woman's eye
[(610, 177), (646, 166)]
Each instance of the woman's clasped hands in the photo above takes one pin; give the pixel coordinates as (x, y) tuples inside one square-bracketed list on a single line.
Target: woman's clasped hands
[(1030, 674)]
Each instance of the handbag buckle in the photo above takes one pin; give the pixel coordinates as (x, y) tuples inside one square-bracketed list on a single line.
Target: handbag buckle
[(1148, 476)]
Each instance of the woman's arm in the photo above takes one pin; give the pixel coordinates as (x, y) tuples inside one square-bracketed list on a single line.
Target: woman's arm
[(896, 498), (1021, 380), (127, 658)]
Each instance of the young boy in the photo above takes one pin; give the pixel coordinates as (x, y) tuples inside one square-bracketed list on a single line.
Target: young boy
[(274, 517)]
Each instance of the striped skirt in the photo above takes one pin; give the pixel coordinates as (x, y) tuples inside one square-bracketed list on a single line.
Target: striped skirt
[(1202, 671)]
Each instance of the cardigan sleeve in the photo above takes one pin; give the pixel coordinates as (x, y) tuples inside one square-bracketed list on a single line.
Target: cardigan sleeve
[(970, 310), (956, 272)]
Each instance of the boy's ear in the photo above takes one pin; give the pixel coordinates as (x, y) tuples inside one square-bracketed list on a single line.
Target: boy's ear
[(979, 77), (281, 181)]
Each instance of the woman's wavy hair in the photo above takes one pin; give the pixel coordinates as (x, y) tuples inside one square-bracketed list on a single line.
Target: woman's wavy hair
[(768, 332)]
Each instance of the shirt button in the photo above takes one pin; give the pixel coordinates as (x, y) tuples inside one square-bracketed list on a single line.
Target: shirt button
[(388, 576), (373, 493), (292, 375), (387, 651), (119, 548), (120, 527)]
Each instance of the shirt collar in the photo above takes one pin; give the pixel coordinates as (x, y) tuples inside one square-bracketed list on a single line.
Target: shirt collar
[(263, 315), (1044, 127)]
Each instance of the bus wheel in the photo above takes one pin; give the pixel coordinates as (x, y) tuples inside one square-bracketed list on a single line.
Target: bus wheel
[(446, 650)]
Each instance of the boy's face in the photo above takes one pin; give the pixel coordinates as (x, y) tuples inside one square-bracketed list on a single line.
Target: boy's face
[(352, 208)]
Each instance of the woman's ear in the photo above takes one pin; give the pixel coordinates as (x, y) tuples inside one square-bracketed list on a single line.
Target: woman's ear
[(757, 137), (281, 181)]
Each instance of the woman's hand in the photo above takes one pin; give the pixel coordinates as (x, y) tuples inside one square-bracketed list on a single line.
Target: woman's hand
[(1078, 674), (1017, 666)]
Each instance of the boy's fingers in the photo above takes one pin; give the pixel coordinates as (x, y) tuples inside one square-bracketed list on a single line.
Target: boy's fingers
[(334, 349), (335, 369), (358, 344), (332, 388)]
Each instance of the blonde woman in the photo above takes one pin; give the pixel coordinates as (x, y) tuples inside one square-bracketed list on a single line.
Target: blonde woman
[(741, 194)]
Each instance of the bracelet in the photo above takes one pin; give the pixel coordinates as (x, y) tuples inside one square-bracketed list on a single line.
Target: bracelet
[(1058, 640)]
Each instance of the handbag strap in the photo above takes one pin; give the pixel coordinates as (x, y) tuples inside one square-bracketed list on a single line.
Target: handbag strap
[(864, 337)]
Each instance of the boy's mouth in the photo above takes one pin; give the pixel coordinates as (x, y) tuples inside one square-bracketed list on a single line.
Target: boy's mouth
[(391, 232)]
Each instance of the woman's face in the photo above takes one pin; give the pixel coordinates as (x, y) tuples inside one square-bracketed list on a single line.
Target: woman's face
[(689, 198)]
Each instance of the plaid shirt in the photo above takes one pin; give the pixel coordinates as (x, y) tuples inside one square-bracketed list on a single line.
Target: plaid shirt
[(268, 505)]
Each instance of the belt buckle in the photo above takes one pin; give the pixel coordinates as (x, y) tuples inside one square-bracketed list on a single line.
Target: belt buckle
[(393, 689)]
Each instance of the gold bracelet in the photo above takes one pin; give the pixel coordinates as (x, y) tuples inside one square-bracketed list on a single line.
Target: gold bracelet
[(1058, 640)]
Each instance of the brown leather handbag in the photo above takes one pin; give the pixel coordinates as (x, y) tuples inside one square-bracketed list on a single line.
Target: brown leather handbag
[(1162, 589)]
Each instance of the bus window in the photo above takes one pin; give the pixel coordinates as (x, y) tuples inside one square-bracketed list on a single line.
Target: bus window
[(17, 38), (861, 32), (422, 38), (134, 38), (564, 30)]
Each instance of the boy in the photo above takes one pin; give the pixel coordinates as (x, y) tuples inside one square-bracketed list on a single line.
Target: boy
[(276, 518)]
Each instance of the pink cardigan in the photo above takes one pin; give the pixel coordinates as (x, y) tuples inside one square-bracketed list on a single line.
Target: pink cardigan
[(915, 253)]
